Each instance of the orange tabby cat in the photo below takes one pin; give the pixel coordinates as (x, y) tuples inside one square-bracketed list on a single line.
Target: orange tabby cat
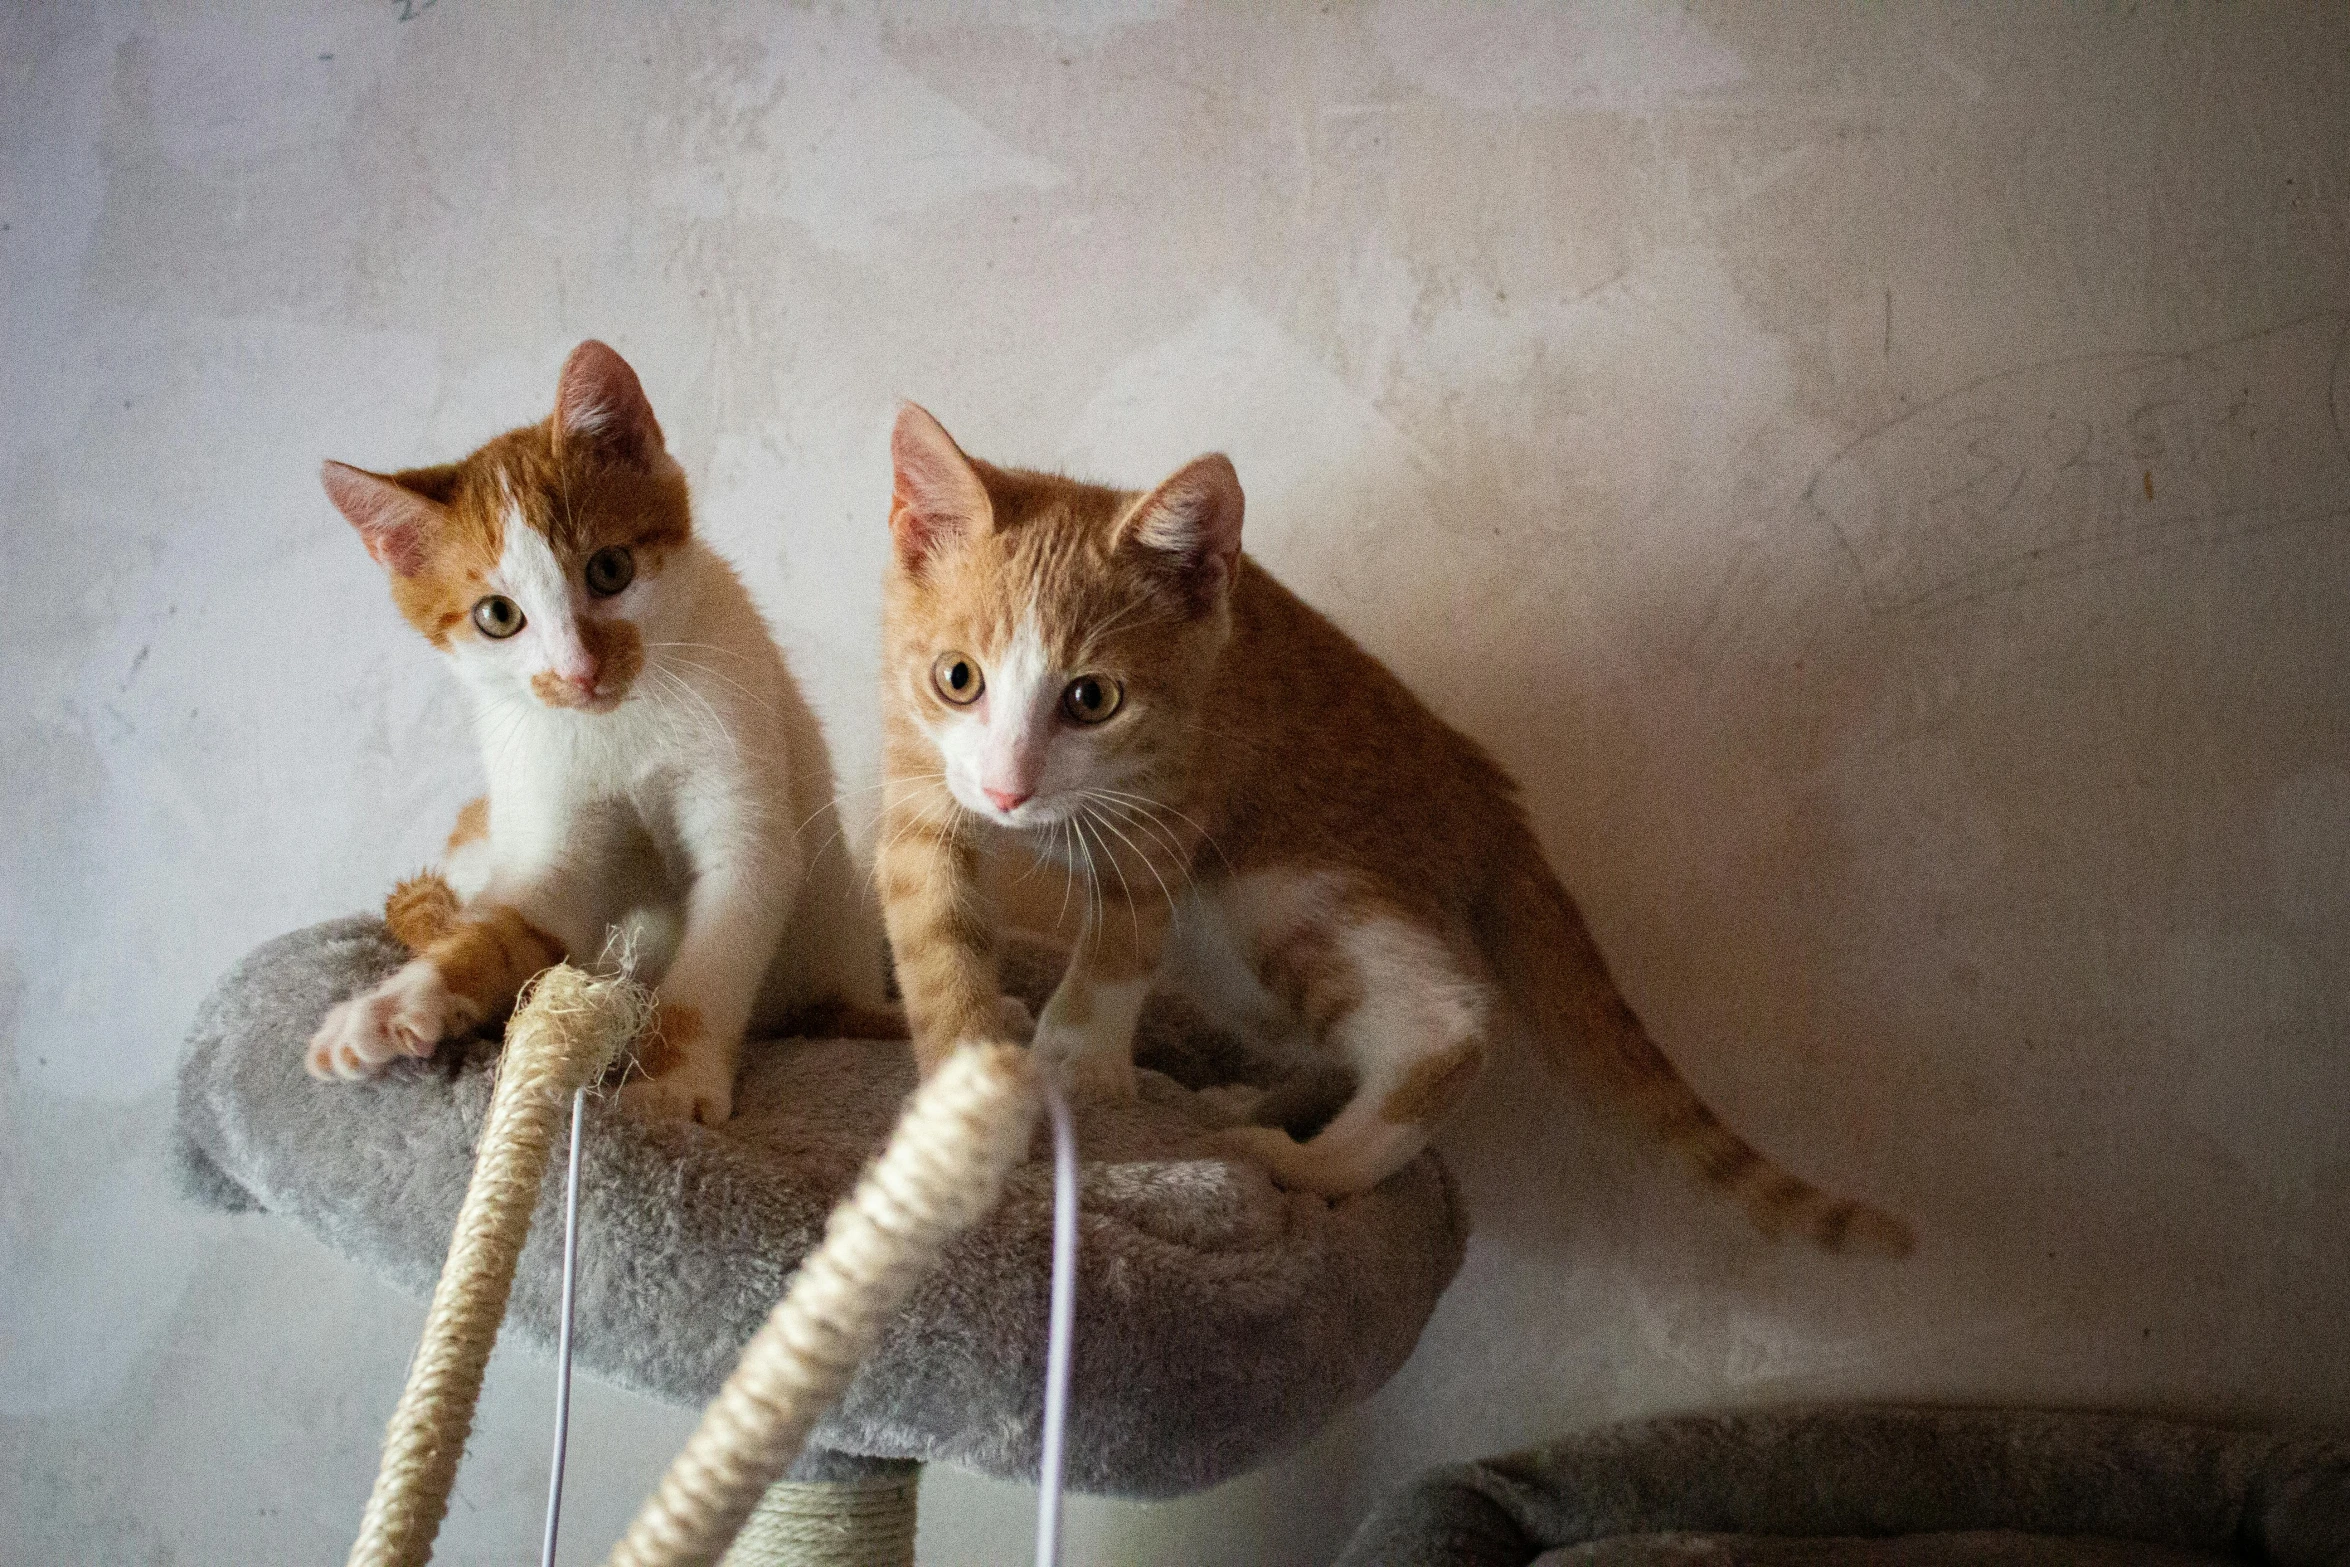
[(1104, 679)]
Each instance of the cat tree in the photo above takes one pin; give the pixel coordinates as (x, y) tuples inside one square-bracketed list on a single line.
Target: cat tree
[(1220, 1322)]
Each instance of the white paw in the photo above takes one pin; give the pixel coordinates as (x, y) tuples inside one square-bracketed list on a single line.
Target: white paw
[(682, 1095), (684, 1069), (407, 1015)]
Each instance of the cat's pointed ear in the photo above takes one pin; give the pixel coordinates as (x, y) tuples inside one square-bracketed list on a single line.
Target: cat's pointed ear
[(599, 402), (1192, 520), (393, 521), (936, 495)]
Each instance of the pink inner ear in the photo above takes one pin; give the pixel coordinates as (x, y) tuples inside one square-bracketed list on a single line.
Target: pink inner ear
[(1195, 515), (937, 495), (598, 398), (393, 522)]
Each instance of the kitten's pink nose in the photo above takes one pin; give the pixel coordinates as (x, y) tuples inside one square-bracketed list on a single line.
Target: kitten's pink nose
[(583, 677), (1005, 799)]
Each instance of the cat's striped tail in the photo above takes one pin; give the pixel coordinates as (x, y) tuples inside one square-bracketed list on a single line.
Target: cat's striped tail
[(1555, 972)]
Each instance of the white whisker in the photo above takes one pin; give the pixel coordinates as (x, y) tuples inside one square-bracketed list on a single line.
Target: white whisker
[(1102, 903), (1168, 892), (1069, 868), (834, 804), (1157, 831), (1147, 803)]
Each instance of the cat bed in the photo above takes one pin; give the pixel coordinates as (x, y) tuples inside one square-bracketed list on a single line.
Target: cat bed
[(1220, 1321), (1881, 1487)]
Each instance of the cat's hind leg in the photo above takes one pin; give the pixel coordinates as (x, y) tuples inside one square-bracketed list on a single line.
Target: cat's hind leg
[(1382, 989), (463, 977)]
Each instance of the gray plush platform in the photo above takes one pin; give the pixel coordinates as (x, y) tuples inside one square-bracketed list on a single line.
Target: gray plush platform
[(1220, 1321), (1881, 1487)]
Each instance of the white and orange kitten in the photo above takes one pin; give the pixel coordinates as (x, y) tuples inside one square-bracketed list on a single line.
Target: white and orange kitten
[(1254, 806), (650, 757)]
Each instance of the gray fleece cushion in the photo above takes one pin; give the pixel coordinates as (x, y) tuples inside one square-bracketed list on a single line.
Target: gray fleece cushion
[(1220, 1321), (1881, 1487)]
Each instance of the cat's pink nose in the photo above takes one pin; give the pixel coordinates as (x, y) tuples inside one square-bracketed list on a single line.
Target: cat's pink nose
[(1005, 799)]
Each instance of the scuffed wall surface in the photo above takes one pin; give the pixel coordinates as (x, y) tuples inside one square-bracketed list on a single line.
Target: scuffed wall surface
[(1877, 474)]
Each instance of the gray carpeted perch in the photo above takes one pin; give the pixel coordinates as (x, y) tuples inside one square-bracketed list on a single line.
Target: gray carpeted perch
[(1881, 1487), (1220, 1321)]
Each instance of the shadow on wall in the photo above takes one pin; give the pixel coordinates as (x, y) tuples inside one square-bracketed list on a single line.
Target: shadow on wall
[(1952, 829)]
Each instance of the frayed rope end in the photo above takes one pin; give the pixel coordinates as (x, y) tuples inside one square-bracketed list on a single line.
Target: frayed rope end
[(585, 1021)]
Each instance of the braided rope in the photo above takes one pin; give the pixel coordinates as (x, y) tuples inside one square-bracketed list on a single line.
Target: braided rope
[(569, 1030), (835, 1523), (942, 1171)]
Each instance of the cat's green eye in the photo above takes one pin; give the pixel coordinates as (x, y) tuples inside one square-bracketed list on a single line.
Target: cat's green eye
[(958, 678), (1091, 698), (609, 570), (497, 617)]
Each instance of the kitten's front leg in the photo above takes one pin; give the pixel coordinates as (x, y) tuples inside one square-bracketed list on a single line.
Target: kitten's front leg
[(941, 928), (734, 917), (746, 876), (1087, 1030)]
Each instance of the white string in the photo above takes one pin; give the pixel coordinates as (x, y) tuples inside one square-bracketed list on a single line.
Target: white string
[(1061, 1333), (563, 1332)]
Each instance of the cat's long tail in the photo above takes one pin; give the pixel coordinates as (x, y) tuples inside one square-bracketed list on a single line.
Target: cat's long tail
[(1550, 963)]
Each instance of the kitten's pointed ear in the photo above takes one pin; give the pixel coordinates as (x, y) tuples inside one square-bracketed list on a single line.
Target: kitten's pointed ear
[(393, 521), (937, 494), (1193, 521), (600, 402)]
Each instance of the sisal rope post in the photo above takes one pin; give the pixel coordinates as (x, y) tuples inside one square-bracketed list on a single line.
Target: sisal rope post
[(570, 1029), (830, 1523), (943, 1170)]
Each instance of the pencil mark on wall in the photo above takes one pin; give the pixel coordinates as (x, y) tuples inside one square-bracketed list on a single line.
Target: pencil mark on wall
[(2072, 464), (1604, 284), (410, 10)]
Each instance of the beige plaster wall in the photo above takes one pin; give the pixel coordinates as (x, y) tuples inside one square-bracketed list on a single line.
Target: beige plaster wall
[(1876, 472)]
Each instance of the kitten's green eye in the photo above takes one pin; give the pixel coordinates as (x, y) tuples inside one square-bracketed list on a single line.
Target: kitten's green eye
[(609, 570), (958, 679), (497, 617), (1092, 698)]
